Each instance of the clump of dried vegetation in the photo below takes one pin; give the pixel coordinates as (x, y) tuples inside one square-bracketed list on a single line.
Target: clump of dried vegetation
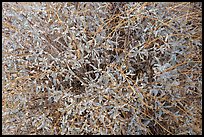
[(102, 68)]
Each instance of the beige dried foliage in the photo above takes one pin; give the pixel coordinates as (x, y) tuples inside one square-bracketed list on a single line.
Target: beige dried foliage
[(130, 68)]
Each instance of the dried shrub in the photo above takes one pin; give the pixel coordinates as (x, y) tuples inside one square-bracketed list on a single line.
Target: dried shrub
[(102, 68)]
